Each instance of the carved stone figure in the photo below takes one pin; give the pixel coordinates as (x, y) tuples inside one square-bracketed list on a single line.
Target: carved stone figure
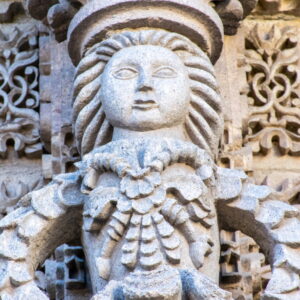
[(147, 198)]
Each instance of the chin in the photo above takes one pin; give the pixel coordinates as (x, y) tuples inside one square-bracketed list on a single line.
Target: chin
[(147, 120), (146, 126)]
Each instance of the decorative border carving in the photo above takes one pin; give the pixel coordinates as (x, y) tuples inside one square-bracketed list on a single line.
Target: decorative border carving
[(19, 96), (272, 66)]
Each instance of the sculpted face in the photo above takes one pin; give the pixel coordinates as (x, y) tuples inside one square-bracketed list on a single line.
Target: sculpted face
[(145, 88)]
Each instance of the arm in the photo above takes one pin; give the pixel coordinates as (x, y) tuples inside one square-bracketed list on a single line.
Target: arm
[(44, 219), (273, 224)]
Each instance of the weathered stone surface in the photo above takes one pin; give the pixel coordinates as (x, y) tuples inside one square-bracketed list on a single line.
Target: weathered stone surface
[(147, 119), (19, 122), (9, 9), (272, 111), (232, 12), (66, 276), (56, 14), (195, 19), (289, 7)]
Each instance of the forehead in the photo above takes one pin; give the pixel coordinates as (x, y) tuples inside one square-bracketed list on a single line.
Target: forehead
[(145, 54)]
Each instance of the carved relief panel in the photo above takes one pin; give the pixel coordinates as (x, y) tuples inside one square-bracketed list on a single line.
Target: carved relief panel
[(146, 113), (20, 143), (272, 58), (270, 62), (19, 92), (267, 55)]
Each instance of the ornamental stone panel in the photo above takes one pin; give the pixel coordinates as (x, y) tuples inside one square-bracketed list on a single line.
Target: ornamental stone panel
[(149, 149)]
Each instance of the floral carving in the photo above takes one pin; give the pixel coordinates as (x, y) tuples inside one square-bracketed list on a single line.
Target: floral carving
[(273, 75), (142, 204), (19, 97)]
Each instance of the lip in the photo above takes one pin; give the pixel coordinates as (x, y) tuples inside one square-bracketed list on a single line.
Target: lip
[(144, 104)]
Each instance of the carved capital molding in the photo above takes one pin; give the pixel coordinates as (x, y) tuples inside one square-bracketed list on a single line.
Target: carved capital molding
[(58, 14), (195, 19)]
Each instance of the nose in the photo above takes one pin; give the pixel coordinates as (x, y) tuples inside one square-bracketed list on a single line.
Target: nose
[(145, 83)]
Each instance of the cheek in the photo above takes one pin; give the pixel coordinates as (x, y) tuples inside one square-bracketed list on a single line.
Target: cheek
[(175, 94), (117, 96)]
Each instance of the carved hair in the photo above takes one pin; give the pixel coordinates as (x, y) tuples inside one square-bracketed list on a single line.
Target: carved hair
[(204, 121)]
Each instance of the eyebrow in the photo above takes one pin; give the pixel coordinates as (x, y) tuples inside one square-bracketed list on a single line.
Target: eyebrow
[(124, 63), (142, 64)]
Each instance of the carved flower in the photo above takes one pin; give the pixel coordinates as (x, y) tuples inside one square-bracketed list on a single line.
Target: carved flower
[(136, 185), (102, 200), (145, 204)]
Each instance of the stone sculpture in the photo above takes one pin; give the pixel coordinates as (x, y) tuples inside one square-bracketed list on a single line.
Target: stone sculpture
[(147, 193)]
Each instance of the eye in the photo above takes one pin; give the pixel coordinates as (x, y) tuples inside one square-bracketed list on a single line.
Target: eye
[(125, 73), (165, 72)]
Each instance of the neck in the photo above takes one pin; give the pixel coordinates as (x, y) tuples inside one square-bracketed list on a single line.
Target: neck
[(176, 132)]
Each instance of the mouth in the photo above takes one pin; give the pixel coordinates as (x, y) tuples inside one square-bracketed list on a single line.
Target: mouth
[(144, 104)]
